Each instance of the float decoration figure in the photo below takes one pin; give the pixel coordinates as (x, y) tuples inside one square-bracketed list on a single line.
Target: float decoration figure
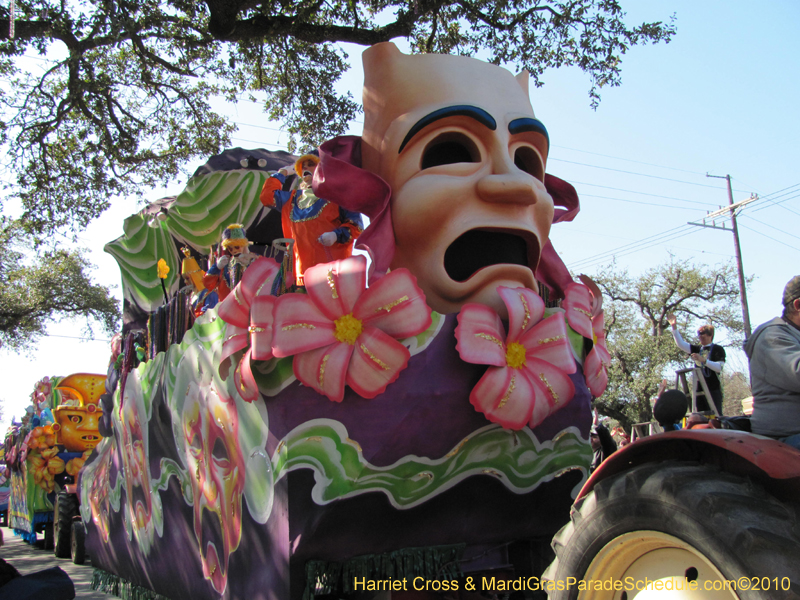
[(322, 231), (235, 257)]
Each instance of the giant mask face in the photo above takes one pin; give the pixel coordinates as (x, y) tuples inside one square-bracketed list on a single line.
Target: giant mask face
[(78, 426), (458, 142), (217, 475), (99, 473), (143, 507)]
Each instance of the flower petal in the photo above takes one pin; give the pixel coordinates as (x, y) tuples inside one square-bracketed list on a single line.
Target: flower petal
[(578, 307), (480, 335), (299, 326), (505, 396), (377, 361), (244, 380), (599, 329), (525, 309), (234, 310), (324, 369), (595, 369), (236, 338), (597, 295), (261, 333), (548, 341), (555, 389), (395, 305), (334, 287), (258, 278)]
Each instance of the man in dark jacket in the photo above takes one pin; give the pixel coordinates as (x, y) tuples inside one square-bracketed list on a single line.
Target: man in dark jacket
[(774, 353)]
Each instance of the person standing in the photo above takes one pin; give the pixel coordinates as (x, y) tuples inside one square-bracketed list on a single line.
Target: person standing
[(603, 445), (707, 355), (774, 354)]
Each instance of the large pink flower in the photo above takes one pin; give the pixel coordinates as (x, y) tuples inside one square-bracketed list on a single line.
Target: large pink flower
[(342, 332), (528, 377), (43, 386), (583, 305), (248, 312)]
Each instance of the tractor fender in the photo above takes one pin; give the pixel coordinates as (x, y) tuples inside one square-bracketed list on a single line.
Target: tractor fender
[(773, 464)]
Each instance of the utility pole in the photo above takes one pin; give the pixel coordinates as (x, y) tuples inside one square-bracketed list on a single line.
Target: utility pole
[(730, 210)]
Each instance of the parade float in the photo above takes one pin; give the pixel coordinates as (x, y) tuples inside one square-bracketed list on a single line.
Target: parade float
[(5, 488), (44, 453), (418, 412)]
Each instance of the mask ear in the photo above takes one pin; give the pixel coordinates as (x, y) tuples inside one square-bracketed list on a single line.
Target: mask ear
[(523, 79), (340, 179), (564, 196), (552, 271)]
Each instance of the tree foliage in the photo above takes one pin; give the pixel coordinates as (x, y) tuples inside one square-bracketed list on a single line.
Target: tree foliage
[(45, 287), (122, 99), (735, 388), (640, 338)]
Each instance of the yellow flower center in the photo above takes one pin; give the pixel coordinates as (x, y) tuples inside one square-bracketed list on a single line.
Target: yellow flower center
[(348, 328), (515, 355)]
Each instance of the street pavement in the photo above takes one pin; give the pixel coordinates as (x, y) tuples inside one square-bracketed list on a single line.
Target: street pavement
[(27, 558)]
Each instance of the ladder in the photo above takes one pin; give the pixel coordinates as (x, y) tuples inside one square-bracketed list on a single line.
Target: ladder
[(698, 381)]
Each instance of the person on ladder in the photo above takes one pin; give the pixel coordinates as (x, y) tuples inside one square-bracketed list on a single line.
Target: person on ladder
[(709, 357)]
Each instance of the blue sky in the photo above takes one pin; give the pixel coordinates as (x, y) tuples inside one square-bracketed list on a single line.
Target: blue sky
[(720, 98)]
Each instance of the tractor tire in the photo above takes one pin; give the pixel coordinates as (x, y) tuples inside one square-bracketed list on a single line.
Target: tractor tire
[(66, 508), (48, 543), (78, 547), (682, 524)]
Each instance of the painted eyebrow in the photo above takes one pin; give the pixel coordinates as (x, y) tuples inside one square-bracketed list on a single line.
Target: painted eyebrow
[(527, 124), (480, 115)]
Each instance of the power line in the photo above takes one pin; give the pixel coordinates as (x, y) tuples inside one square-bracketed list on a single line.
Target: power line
[(260, 127), (772, 227), (639, 202), (779, 204), (640, 174), (608, 187), (783, 191), (72, 337), (771, 238), (639, 162), (634, 250), (642, 244), (258, 144)]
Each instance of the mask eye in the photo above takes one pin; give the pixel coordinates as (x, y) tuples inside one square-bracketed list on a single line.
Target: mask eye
[(450, 148), (75, 419), (220, 452), (526, 159)]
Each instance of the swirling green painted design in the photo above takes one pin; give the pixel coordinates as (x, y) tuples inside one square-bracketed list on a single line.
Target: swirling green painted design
[(192, 368), (200, 212), (517, 459)]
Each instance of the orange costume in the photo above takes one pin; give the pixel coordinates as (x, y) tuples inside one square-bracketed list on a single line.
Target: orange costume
[(305, 218)]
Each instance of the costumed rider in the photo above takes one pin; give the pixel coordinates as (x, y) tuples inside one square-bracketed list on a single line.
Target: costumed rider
[(322, 231), (707, 355), (229, 267), (774, 354), (192, 276)]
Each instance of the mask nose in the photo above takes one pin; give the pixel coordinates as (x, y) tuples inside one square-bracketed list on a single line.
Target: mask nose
[(508, 188)]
